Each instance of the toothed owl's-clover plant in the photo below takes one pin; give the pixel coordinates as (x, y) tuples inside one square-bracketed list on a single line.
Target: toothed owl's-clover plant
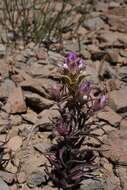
[(70, 159)]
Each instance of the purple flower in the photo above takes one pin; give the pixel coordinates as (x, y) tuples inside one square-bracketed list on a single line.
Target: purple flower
[(61, 128), (73, 63), (55, 91), (72, 56), (84, 88), (99, 103), (81, 63)]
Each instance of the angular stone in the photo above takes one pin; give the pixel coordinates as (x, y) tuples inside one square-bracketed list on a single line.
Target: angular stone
[(30, 116), (21, 177), (122, 173), (36, 102), (108, 128), (91, 184), (110, 116), (36, 178), (13, 187), (123, 73), (106, 71), (123, 124), (109, 38), (14, 143), (6, 176), (113, 56), (2, 50), (123, 52), (112, 182), (41, 54), (3, 185), (42, 147), (45, 117), (118, 23), (6, 87), (113, 4), (94, 23), (113, 84), (40, 71), (118, 100), (15, 102), (11, 168), (115, 146), (33, 86), (47, 187), (101, 6), (25, 187), (15, 120)]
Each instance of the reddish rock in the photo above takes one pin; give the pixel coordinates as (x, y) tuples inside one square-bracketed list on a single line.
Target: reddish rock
[(123, 52), (113, 56), (21, 177), (115, 146), (123, 124), (6, 176), (13, 187), (41, 54), (15, 102), (14, 143), (110, 116), (118, 23), (113, 84), (25, 187)]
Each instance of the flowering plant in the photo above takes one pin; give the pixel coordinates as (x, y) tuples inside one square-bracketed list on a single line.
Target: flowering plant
[(70, 159)]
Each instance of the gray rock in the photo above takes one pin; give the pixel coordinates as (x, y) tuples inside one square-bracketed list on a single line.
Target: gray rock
[(106, 71), (113, 4), (30, 116), (122, 173), (112, 183), (2, 50), (110, 38), (6, 87), (91, 184), (73, 46), (42, 147), (36, 178), (118, 100), (3, 185), (36, 102), (55, 58), (44, 122), (101, 6), (34, 86), (94, 23)]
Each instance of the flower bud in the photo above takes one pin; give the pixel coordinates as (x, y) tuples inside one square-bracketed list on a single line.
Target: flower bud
[(55, 91), (99, 103)]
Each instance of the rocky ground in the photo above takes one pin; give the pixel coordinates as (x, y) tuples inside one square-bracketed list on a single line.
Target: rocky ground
[(27, 73)]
